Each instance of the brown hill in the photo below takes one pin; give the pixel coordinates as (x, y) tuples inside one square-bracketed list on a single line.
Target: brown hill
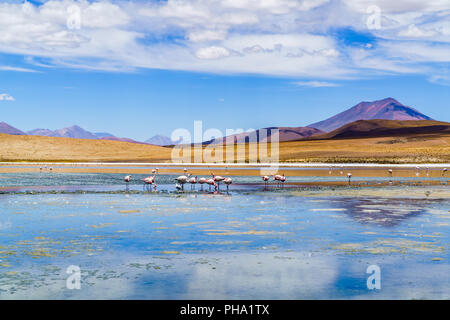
[(387, 109), (285, 134), (385, 128), (38, 148)]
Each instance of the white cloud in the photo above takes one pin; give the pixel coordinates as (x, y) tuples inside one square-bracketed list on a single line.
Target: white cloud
[(6, 97), (207, 35), (275, 37), (415, 32), (212, 53), (18, 69), (315, 84), (441, 79)]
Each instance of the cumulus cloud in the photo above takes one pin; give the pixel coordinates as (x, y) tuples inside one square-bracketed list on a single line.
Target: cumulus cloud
[(274, 37), (6, 97)]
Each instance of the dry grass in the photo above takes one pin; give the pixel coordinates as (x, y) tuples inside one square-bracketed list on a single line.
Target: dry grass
[(36, 148), (412, 149), (433, 148)]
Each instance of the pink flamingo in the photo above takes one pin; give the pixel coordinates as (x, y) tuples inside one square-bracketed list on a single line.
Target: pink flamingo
[(127, 181), (181, 180), (149, 181), (277, 178), (227, 181), (217, 179), (283, 179), (202, 181), (211, 182), (193, 181), (266, 180)]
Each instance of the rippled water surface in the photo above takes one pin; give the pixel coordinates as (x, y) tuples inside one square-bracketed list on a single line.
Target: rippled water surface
[(252, 242)]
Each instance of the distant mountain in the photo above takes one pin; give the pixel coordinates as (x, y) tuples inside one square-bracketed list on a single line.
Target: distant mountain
[(6, 128), (79, 133), (70, 132), (113, 138), (387, 109), (285, 134), (381, 128), (43, 132), (159, 140), (75, 132), (101, 135)]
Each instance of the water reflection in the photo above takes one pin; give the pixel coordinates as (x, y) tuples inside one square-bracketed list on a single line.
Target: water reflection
[(305, 243)]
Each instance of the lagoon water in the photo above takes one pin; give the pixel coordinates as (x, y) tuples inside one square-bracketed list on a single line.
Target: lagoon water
[(250, 243)]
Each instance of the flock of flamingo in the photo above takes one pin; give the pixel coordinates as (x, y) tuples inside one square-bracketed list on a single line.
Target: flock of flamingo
[(214, 181)]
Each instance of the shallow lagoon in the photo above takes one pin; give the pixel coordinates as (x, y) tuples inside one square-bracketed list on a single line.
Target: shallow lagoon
[(294, 243)]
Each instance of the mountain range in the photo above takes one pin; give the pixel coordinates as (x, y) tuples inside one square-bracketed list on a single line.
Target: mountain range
[(385, 109)]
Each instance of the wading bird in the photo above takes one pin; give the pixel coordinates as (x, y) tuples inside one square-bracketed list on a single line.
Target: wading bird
[(283, 179), (211, 182), (181, 180), (444, 171), (390, 172), (227, 181), (202, 181), (217, 179), (127, 180), (277, 178), (349, 175), (266, 180), (193, 181), (149, 181)]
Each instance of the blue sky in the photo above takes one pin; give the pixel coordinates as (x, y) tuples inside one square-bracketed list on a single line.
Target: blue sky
[(140, 69)]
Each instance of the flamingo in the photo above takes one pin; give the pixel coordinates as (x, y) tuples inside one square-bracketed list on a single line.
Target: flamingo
[(283, 179), (202, 181), (266, 180), (181, 180), (217, 179), (211, 182), (127, 180), (349, 175), (227, 181), (149, 181), (193, 181), (277, 178)]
